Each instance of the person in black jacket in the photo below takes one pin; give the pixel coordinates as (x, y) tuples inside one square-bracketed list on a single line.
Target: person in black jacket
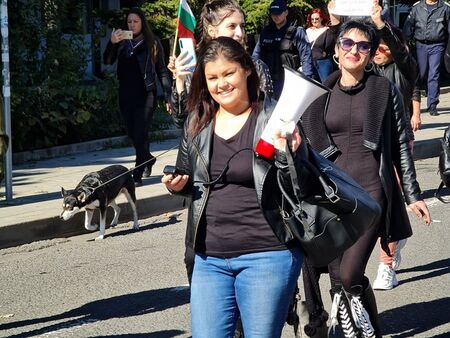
[(282, 42), (394, 61), (245, 258), (428, 23), (140, 61), (362, 128), (217, 18)]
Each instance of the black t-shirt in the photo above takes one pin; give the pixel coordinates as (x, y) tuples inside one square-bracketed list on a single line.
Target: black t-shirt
[(234, 223), (132, 89)]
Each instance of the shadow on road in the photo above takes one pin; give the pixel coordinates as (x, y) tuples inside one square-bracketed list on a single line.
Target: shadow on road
[(173, 219), (414, 319), (445, 192), (436, 269), (129, 305), (159, 334)]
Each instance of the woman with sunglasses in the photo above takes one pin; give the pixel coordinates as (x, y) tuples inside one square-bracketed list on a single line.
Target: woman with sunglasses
[(363, 129), (217, 18), (322, 40), (245, 260)]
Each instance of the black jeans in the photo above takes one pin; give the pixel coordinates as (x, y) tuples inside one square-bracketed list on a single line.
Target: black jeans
[(138, 118)]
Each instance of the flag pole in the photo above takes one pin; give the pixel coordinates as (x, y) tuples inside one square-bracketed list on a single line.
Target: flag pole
[(176, 38)]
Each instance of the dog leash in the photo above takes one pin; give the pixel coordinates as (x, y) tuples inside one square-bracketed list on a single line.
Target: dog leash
[(132, 169)]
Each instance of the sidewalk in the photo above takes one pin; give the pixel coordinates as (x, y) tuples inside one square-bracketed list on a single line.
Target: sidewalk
[(34, 212)]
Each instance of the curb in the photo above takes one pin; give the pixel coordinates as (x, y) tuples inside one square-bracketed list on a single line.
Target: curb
[(54, 227), (426, 149), (76, 148)]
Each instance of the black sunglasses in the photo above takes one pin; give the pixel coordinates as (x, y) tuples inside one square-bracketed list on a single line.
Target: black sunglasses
[(347, 44)]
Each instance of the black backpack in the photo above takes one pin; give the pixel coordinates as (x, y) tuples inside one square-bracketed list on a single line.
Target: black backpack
[(444, 165)]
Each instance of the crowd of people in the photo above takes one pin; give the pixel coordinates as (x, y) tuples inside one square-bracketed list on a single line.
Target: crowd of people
[(241, 262)]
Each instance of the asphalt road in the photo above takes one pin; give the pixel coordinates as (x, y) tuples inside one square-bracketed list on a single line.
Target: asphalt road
[(133, 284)]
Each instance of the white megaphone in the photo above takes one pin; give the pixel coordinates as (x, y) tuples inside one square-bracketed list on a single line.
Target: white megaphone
[(299, 91)]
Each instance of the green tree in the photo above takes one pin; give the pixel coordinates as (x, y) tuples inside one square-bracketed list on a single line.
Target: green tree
[(257, 12), (48, 96)]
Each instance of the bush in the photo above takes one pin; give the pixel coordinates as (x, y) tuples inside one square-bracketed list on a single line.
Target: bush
[(52, 102)]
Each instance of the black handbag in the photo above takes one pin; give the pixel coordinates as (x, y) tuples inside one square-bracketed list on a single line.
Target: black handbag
[(444, 165), (331, 221)]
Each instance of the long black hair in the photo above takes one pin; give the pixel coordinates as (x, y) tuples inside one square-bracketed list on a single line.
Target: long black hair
[(149, 37), (200, 102)]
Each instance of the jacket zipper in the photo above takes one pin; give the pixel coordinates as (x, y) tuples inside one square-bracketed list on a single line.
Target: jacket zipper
[(204, 199)]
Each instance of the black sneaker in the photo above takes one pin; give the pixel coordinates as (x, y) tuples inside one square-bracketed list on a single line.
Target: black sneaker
[(433, 111), (148, 168)]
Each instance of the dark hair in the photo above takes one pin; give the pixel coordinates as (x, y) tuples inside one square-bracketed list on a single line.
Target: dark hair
[(367, 29), (323, 17), (213, 13), (200, 102), (149, 37)]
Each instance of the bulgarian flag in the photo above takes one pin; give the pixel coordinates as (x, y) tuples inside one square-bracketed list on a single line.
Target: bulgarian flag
[(186, 21)]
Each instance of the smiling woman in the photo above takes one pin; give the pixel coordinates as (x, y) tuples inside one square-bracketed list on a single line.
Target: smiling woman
[(232, 82), (245, 261), (362, 128)]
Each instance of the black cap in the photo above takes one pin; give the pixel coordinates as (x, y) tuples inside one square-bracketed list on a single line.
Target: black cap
[(277, 7)]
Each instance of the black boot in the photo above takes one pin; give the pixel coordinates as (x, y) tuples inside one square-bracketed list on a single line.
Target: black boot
[(341, 313), (371, 305), (364, 310)]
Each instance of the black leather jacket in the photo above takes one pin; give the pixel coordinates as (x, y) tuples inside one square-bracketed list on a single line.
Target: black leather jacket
[(402, 71), (194, 159), (385, 110), (149, 70), (428, 28)]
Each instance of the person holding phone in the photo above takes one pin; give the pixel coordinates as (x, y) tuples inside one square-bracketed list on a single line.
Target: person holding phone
[(217, 18), (140, 61), (245, 260)]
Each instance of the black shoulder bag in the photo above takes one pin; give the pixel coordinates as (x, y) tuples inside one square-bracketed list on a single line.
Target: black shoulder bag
[(444, 165), (330, 222)]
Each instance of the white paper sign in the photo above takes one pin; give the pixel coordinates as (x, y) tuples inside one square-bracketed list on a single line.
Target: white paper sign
[(353, 7)]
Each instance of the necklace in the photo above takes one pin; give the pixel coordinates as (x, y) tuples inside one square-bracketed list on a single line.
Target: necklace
[(134, 45)]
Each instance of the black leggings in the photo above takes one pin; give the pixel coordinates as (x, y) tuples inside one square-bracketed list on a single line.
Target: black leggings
[(137, 119), (348, 269)]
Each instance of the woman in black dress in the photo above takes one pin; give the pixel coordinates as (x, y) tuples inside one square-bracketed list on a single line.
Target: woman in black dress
[(363, 129)]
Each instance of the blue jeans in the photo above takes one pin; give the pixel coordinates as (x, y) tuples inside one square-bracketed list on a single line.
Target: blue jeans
[(258, 286)]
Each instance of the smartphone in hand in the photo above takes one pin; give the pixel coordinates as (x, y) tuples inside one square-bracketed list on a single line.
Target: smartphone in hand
[(171, 170), (127, 35), (186, 44)]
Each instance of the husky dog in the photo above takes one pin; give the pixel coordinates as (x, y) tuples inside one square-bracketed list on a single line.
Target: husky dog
[(91, 194)]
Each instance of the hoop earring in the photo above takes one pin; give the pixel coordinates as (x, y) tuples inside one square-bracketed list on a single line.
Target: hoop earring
[(368, 70), (335, 59)]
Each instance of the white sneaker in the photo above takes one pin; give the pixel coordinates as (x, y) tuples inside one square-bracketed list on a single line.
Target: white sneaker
[(386, 278), (397, 258)]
